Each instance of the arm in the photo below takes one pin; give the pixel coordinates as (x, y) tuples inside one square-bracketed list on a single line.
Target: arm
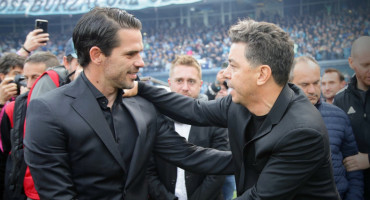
[(33, 41), (212, 184), (157, 190), (176, 150), (186, 109), (355, 178), (45, 153), (293, 161)]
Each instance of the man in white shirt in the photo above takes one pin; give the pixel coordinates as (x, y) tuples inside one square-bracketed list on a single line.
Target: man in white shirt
[(167, 182)]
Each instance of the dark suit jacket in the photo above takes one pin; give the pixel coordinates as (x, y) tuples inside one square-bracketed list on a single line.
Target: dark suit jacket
[(71, 152), (289, 156), (162, 175)]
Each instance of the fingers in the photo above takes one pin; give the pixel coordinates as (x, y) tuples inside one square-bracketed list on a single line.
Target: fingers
[(131, 92), (36, 39)]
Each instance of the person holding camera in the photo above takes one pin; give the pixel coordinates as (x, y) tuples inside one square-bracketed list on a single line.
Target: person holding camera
[(18, 181)]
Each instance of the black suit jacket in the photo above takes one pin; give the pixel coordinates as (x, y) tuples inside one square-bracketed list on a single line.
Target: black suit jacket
[(71, 152), (162, 175), (289, 156)]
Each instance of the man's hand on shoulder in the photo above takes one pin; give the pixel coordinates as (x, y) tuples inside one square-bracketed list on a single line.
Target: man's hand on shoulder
[(131, 92)]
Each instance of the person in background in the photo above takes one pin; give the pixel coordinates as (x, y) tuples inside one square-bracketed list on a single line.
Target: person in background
[(331, 82), (355, 101), (11, 65), (215, 87), (167, 181), (306, 75), (18, 180)]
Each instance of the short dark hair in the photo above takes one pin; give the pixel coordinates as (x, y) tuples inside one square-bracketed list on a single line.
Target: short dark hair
[(332, 70), (49, 59), (267, 44), (99, 28), (10, 61)]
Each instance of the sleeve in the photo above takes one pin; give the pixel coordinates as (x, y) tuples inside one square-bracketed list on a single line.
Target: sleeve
[(186, 109), (293, 161), (157, 190), (175, 149), (355, 178), (212, 185), (45, 153)]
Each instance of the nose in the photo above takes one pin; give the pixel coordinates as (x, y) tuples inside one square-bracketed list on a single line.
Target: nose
[(227, 72), (139, 62), (30, 83), (311, 89)]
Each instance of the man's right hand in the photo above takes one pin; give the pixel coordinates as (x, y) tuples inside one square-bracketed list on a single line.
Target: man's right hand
[(7, 90)]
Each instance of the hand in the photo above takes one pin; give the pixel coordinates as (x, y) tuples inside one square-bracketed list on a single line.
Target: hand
[(220, 77), (131, 92), (7, 90), (35, 39), (23, 89), (357, 162)]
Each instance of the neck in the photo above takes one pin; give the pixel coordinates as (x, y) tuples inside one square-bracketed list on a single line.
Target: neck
[(265, 99), (362, 86), (97, 79), (329, 100)]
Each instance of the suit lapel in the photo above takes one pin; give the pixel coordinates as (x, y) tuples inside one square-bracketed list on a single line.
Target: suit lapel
[(140, 150), (88, 108)]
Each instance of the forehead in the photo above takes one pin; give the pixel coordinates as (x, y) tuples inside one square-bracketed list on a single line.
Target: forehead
[(306, 70), (130, 38), (330, 76), (185, 71), (237, 52)]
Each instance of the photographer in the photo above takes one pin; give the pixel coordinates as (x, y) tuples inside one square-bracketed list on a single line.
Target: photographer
[(12, 123), (10, 65)]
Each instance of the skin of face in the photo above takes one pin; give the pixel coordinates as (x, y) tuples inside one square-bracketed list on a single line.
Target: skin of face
[(307, 77), (360, 63), (242, 77), (72, 66), (122, 66), (13, 72), (185, 80), (331, 84), (32, 71)]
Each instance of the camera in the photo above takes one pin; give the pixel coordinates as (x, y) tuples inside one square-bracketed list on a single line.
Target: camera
[(20, 81)]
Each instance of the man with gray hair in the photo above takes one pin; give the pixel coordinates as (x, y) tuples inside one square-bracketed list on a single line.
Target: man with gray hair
[(306, 75), (278, 139)]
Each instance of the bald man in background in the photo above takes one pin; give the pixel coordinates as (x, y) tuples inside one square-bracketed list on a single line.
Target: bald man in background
[(355, 101)]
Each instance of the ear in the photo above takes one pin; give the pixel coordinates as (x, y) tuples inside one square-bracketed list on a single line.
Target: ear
[(264, 74), (96, 55), (350, 62), (201, 83), (2, 76)]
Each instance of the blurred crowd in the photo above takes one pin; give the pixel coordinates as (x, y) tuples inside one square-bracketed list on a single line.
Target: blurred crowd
[(320, 35)]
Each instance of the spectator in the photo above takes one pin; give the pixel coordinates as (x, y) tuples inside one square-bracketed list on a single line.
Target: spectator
[(331, 82), (355, 101), (165, 180), (306, 75), (34, 40)]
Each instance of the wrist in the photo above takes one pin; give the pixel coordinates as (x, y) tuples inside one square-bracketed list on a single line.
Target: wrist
[(26, 49)]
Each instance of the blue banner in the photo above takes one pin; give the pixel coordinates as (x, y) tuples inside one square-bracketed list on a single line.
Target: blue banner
[(68, 7)]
